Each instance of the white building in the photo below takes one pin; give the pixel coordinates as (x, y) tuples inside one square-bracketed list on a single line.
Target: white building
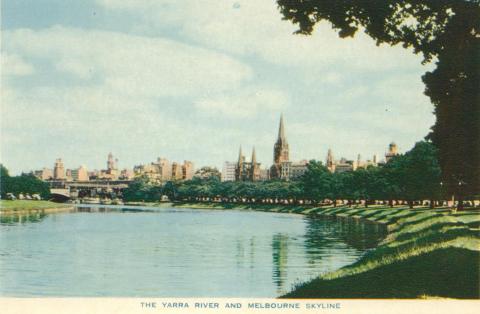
[(228, 171)]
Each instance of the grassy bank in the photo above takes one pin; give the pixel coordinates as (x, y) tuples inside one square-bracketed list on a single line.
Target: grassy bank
[(16, 207), (427, 253)]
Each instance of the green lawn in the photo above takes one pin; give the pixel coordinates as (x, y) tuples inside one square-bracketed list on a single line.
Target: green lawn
[(426, 253), (19, 205)]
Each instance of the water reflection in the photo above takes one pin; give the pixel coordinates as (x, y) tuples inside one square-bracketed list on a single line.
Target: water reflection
[(322, 243), (22, 218), (358, 234), (280, 260)]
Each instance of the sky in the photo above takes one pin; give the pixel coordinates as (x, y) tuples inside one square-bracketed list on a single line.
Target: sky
[(194, 80)]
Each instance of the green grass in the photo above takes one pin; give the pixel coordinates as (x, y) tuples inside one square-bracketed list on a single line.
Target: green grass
[(446, 272), (19, 205), (427, 252)]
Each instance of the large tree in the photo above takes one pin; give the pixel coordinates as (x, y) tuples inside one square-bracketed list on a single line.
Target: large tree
[(444, 31)]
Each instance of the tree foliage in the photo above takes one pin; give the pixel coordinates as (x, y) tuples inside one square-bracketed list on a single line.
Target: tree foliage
[(411, 177), (23, 184), (443, 30)]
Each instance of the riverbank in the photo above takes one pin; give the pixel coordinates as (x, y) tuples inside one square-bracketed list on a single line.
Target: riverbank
[(24, 207), (427, 253)]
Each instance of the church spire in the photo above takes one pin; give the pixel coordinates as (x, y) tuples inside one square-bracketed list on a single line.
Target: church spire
[(281, 130), (240, 156), (254, 157)]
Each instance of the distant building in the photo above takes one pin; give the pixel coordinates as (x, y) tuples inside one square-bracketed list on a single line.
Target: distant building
[(112, 172), (164, 169), (177, 173), (80, 174), (59, 170), (126, 174), (68, 175), (280, 154), (228, 171), (247, 171), (188, 170), (44, 174), (161, 170), (297, 169), (264, 174), (392, 151), (344, 164), (282, 167)]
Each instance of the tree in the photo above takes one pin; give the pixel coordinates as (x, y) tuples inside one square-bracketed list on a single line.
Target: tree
[(207, 172), (422, 172), (447, 30), (4, 176), (26, 184), (316, 181)]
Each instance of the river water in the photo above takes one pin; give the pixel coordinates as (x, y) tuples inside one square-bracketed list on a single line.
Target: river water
[(170, 252)]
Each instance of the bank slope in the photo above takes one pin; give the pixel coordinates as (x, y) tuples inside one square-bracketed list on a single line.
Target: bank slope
[(426, 253)]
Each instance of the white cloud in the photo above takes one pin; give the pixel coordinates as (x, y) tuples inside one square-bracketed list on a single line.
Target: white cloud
[(256, 28), (131, 65), (243, 103), (14, 65)]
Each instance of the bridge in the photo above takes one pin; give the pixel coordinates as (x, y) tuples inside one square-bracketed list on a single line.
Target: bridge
[(62, 190)]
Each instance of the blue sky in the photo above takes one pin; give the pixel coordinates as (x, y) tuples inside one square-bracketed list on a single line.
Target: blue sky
[(194, 80)]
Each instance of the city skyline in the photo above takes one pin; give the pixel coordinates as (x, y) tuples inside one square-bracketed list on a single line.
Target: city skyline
[(140, 80), (281, 154)]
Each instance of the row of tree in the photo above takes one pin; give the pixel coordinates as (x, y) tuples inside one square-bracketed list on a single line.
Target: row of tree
[(22, 184), (410, 177)]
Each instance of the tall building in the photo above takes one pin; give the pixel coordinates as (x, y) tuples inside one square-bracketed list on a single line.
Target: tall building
[(228, 171), (111, 162), (188, 170), (330, 162), (59, 170), (247, 171), (392, 151), (112, 172), (177, 173), (80, 174), (280, 153), (44, 174), (165, 169)]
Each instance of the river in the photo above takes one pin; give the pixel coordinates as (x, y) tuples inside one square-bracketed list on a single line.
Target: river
[(171, 252)]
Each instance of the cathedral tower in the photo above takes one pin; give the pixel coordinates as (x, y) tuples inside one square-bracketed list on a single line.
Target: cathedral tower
[(280, 149)]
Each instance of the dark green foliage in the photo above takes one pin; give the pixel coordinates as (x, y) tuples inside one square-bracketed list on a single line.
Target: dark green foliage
[(316, 181), (207, 172), (446, 30), (413, 176), (141, 189), (4, 175), (23, 184), (431, 274)]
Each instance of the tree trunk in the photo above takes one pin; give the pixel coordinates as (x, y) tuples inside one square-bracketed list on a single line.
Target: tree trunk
[(432, 204), (460, 202), (390, 202), (410, 204)]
